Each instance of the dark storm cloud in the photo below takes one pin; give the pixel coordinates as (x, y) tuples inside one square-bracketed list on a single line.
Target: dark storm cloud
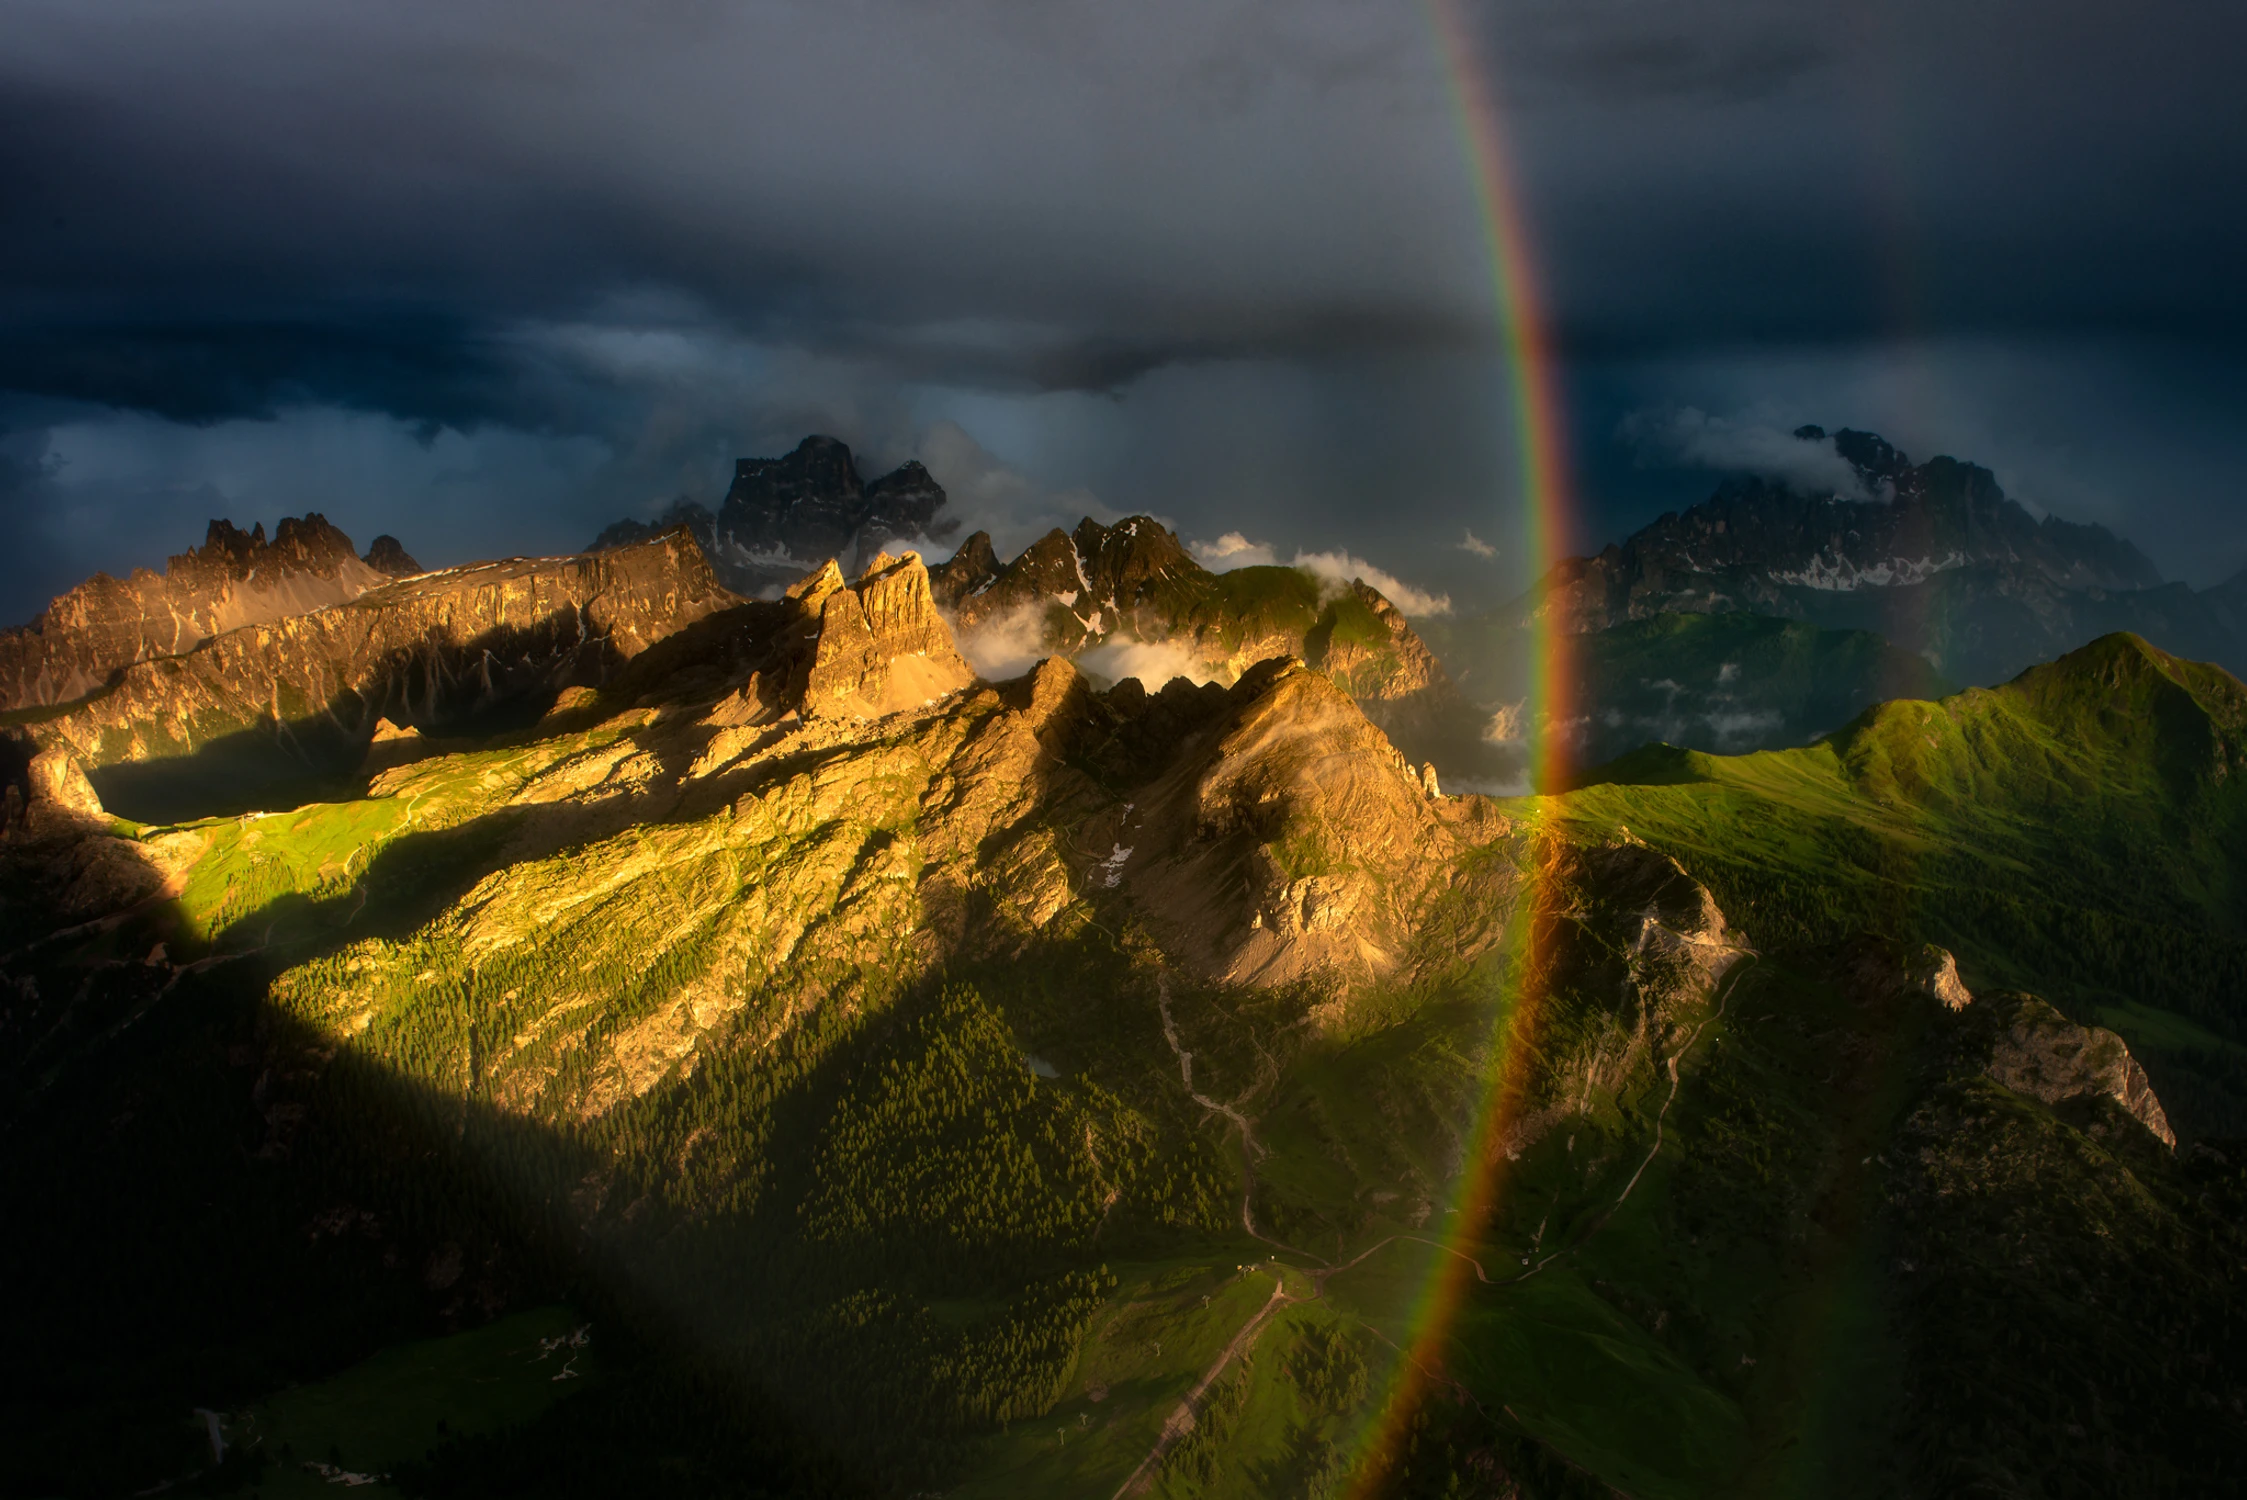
[(664, 233), (1187, 182)]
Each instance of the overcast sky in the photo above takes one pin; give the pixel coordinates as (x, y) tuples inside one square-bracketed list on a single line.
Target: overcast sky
[(490, 275)]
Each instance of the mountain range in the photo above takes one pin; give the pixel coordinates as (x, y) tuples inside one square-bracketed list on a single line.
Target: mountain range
[(563, 1026), (1934, 557)]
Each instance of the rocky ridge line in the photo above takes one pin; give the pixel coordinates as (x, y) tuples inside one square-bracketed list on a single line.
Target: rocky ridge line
[(416, 649), (1940, 561), (1134, 582), (235, 578)]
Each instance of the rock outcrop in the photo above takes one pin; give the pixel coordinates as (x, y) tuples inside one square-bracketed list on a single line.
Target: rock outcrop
[(235, 578), (1933, 971), (880, 645), (2034, 1050)]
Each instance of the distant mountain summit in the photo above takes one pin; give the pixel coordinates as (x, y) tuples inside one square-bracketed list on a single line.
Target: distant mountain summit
[(235, 578), (783, 517), (1130, 601), (1934, 556)]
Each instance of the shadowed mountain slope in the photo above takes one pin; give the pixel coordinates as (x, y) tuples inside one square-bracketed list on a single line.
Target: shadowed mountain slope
[(1024, 1088), (2081, 830), (1723, 683)]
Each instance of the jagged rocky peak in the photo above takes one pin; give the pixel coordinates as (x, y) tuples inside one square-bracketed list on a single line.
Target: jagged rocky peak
[(833, 650), (388, 556), (780, 514), (1290, 837), (1934, 555), (47, 794), (1106, 575), (1365, 643), (235, 578), (974, 567), (1134, 581), (1756, 541), (881, 645)]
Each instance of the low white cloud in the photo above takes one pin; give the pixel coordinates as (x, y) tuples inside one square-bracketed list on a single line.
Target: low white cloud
[(1005, 646), (1475, 544), (1154, 663), (1232, 550), (1692, 438), (1333, 570), (1508, 726), (1739, 730)]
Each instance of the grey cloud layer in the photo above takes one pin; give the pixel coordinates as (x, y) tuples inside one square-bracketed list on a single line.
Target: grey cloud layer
[(1184, 256)]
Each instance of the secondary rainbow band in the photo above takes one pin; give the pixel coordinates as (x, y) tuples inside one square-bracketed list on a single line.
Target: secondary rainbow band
[(1542, 443)]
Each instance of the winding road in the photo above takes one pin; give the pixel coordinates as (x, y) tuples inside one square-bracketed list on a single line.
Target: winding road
[(1182, 1420)]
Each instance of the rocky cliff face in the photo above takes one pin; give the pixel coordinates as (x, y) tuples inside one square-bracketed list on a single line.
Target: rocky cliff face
[(881, 645), (782, 516), (235, 578), (2036, 1051), (1106, 579), (1941, 562), (1290, 838), (420, 650)]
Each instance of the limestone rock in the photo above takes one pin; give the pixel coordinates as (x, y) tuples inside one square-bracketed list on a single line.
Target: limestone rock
[(881, 644), (2034, 1050), (52, 799), (1933, 971), (415, 649), (392, 746), (234, 579)]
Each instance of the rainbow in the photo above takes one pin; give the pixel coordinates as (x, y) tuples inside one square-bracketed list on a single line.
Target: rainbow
[(1541, 435), (1542, 443)]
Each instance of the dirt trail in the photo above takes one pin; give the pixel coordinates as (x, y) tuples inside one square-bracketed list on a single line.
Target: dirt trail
[(1250, 1150), (1729, 984), (1183, 1419)]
